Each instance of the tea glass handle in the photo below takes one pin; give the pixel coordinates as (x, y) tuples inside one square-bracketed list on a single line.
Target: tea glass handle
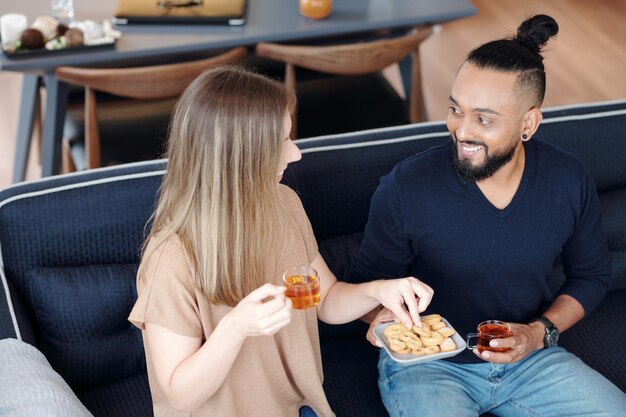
[(470, 336)]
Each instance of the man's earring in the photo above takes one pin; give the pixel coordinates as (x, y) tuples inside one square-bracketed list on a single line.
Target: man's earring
[(524, 137)]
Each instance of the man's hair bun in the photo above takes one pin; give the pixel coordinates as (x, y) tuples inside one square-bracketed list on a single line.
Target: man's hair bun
[(536, 31)]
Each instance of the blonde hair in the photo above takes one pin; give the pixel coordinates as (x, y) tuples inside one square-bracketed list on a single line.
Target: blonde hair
[(220, 192)]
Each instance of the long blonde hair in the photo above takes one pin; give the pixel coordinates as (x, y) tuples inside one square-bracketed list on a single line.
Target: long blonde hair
[(220, 192)]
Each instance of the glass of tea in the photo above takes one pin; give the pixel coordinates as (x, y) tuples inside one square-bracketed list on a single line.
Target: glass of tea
[(303, 287), (487, 331)]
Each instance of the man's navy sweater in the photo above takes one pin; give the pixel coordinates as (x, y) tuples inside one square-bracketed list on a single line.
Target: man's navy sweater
[(483, 262)]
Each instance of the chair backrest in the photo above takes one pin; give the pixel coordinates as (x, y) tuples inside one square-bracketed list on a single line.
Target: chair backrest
[(354, 59), (143, 83)]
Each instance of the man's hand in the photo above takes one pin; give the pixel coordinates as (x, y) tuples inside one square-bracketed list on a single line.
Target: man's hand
[(525, 339), (384, 316)]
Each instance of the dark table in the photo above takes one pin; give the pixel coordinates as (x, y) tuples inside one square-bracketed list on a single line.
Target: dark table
[(267, 21)]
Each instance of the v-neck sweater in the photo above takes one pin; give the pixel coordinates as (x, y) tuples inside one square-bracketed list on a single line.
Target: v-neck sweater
[(484, 262)]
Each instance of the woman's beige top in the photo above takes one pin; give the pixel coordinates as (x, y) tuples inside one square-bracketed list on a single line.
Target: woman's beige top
[(273, 375)]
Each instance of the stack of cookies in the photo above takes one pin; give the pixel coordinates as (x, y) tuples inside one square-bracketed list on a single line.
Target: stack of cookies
[(433, 337)]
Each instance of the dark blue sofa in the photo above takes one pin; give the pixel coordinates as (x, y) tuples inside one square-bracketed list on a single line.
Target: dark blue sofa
[(69, 248)]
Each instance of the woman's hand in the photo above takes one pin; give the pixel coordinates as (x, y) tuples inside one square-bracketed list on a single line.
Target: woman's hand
[(263, 312), (182, 364), (401, 294)]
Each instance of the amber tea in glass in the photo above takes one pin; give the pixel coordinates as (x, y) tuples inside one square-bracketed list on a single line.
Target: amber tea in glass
[(303, 287), (487, 331)]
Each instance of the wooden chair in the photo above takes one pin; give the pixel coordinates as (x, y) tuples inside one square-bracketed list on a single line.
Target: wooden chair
[(140, 83), (354, 59)]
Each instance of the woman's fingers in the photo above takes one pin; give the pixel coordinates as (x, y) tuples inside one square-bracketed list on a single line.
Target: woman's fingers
[(263, 292), (411, 302), (272, 306), (424, 293), (275, 327), (413, 298)]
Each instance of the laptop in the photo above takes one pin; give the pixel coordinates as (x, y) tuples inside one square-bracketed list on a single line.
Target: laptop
[(223, 12)]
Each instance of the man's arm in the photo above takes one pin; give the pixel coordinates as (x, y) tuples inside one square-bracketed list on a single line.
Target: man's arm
[(586, 257), (385, 251), (587, 267)]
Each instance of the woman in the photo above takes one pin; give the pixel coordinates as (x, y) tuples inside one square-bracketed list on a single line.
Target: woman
[(220, 335)]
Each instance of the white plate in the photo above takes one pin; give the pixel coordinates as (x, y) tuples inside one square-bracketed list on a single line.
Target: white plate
[(409, 358)]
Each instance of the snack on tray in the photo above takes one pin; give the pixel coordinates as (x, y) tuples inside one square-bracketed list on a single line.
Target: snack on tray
[(433, 337), (46, 32)]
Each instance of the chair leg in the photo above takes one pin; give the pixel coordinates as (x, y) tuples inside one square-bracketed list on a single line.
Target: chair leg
[(417, 104), (416, 99), (38, 127), (67, 163), (92, 136), (290, 83)]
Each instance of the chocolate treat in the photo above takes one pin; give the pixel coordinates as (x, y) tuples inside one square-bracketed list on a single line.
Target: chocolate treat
[(32, 39), (74, 37), (61, 29)]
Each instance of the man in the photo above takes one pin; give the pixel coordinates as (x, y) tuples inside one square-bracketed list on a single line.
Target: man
[(483, 222)]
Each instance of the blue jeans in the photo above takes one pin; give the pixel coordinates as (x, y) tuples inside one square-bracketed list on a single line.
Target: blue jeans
[(306, 411), (550, 382)]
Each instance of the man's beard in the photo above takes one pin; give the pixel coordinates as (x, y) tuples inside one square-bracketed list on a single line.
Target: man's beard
[(492, 163)]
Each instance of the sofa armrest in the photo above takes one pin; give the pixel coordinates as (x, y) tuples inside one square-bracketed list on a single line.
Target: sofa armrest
[(30, 387)]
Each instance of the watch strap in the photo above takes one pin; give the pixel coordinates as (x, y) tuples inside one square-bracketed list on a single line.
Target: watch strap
[(551, 331), (544, 320)]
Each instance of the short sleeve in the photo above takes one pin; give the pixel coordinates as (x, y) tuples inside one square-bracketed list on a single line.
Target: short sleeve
[(166, 295)]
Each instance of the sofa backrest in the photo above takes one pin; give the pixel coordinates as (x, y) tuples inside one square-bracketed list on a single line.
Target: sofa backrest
[(69, 251)]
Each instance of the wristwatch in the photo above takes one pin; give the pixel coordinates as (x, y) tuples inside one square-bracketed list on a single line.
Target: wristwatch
[(552, 333)]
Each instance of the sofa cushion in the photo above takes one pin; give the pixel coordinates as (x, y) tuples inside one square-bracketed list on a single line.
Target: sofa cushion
[(126, 397), (351, 377), (597, 138), (599, 339), (614, 225), (30, 387), (80, 315), (338, 252)]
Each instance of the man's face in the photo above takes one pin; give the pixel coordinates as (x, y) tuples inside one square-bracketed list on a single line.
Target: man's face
[(484, 121)]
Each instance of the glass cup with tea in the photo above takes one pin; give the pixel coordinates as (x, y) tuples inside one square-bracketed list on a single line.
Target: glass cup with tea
[(303, 287), (487, 331)]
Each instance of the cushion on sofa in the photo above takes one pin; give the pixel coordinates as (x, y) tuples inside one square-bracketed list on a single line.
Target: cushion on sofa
[(614, 225), (351, 376), (338, 252), (596, 138), (29, 387), (126, 397), (606, 354), (80, 315)]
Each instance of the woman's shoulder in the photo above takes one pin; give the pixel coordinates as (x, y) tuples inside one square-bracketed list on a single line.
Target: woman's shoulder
[(289, 197), (293, 206), (162, 243), (164, 252), (286, 192)]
